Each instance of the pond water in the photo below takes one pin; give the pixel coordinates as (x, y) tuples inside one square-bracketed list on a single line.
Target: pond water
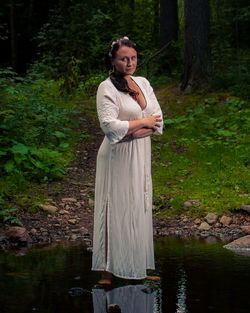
[(195, 277)]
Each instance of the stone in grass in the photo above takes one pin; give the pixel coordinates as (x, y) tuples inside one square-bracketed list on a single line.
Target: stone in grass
[(211, 218), (204, 226), (245, 208), (190, 203), (187, 205), (226, 220), (49, 208)]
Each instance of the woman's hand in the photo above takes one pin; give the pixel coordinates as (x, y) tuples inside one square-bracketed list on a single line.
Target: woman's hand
[(143, 132), (152, 121)]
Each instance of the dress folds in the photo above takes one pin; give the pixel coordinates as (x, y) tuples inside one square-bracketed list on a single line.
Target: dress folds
[(123, 234)]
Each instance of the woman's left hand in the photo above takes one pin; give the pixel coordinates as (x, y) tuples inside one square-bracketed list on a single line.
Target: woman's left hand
[(143, 132)]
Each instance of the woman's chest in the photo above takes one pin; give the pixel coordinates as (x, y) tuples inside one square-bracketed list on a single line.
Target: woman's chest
[(129, 109)]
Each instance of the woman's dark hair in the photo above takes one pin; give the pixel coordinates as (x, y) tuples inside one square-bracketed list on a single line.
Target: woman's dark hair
[(118, 79)]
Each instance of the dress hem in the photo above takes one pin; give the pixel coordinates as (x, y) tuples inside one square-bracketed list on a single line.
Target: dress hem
[(124, 277)]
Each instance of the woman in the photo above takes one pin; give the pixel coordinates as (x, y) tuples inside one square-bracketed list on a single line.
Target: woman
[(129, 113)]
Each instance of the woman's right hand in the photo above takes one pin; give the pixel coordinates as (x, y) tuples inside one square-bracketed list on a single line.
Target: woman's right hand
[(152, 121)]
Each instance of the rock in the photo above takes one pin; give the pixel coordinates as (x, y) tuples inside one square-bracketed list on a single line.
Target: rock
[(187, 204), (233, 226), (72, 221), (245, 208), (49, 208), (195, 200), (91, 202), (84, 230), (74, 237), (245, 229), (197, 221), (18, 234), (33, 231), (211, 218), (217, 225), (69, 200), (62, 212), (204, 226), (185, 220), (225, 220), (242, 243), (211, 239)]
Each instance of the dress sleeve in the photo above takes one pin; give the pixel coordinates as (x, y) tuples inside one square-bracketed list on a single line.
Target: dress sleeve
[(156, 107), (108, 112)]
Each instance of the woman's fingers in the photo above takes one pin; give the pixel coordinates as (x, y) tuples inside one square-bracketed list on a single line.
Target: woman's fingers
[(153, 121)]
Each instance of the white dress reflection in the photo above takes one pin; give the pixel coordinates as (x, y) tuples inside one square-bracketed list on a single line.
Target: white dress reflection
[(130, 299), (181, 295)]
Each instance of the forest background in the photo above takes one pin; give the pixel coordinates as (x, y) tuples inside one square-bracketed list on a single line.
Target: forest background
[(196, 55)]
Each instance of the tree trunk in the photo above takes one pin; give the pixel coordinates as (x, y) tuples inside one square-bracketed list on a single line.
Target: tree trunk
[(13, 36), (169, 26), (156, 6), (197, 63)]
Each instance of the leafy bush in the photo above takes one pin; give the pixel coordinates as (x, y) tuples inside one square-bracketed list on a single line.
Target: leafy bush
[(36, 133)]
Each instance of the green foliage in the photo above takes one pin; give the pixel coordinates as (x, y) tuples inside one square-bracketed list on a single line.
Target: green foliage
[(6, 214), (36, 132), (204, 155), (230, 46), (82, 31), (220, 122), (88, 87)]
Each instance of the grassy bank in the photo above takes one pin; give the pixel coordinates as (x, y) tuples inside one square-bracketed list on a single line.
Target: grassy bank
[(202, 155)]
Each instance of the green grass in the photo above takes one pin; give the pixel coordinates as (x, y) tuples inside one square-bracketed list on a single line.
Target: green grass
[(203, 154)]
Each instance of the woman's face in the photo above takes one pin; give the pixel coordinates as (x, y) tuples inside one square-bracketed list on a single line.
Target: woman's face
[(125, 61)]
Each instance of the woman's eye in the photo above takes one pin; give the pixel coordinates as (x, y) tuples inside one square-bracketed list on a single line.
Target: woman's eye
[(134, 58), (124, 59)]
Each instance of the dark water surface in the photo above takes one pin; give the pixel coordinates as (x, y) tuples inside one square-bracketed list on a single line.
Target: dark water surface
[(196, 277)]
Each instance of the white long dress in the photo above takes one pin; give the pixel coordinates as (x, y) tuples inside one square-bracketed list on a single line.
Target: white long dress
[(123, 235), (130, 299)]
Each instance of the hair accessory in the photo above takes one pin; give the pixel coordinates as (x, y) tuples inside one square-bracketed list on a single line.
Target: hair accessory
[(115, 42)]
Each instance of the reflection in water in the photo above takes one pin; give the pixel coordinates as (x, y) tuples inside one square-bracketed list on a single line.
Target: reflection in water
[(181, 293), (130, 299), (158, 301), (195, 277)]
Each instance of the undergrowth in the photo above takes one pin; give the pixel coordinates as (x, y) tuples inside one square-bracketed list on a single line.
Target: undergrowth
[(39, 128)]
